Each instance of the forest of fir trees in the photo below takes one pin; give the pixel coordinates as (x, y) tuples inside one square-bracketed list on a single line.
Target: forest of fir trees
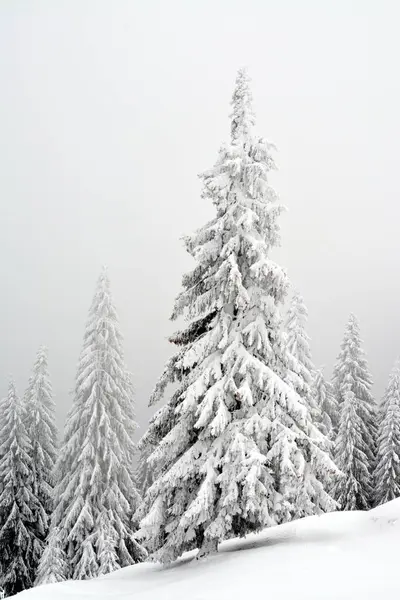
[(249, 433)]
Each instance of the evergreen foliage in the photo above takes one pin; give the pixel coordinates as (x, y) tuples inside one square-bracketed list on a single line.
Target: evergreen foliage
[(42, 433), (95, 469), (352, 380), (301, 367), (235, 447), (354, 490), (387, 471), (21, 514)]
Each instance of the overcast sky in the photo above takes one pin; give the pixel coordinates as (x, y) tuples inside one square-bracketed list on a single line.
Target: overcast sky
[(110, 108)]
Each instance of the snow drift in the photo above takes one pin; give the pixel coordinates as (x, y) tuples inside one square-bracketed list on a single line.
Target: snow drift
[(336, 556)]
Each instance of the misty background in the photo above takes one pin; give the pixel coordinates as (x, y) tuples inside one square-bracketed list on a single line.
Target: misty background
[(110, 109)]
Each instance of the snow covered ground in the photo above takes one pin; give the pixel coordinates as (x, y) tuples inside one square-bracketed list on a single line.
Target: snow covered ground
[(338, 556)]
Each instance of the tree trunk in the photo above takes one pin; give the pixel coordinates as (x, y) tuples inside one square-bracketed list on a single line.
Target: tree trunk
[(207, 547)]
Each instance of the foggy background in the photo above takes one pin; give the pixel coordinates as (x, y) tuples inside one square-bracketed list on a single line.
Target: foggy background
[(109, 109)]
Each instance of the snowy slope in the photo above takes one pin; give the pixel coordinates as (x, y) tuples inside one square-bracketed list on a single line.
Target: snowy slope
[(338, 556)]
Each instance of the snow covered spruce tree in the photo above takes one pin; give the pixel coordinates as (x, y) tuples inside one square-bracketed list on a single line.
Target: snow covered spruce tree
[(326, 401), (21, 514), (42, 433), (301, 368), (235, 447), (352, 370), (387, 471), (95, 493), (354, 490), (53, 566)]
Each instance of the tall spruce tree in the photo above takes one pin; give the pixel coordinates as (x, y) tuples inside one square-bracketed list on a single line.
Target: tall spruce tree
[(327, 403), (301, 369), (354, 490), (95, 493), (42, 433), (387, 471), (21, 514), (352, 369), (235, 447)]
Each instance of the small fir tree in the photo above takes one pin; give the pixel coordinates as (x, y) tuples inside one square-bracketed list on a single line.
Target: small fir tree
[(95, 469), (42, 432), (387, 471), (353, 491), (298, 346), (53, 566), (21, 515), (235, 448), (352, 369)]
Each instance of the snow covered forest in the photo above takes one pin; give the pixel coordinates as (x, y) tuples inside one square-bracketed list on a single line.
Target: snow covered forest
[(247, 432)]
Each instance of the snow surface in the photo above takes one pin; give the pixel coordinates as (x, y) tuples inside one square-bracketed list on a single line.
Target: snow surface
[(336, 556)]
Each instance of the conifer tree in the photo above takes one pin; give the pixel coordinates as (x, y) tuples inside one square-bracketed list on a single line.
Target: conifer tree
[(21, 515), (354, 490), (387, 471), (42, 433), (327, 403), (301, 369), (352, 369), (235, 447), (53, 566), (95, 469)]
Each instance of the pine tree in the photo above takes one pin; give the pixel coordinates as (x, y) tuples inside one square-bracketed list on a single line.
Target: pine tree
[(95, 469), (21, 515), (387, 471), (42, 433), (327, 403), (352, 369), (353, 491), (301, 369), (235, 447)]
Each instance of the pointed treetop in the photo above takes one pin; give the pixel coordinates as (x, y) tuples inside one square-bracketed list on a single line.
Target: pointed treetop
[(41, 355), (242, 115), (395, 372), (103, 280), (298, 306), (387, 465), (394, 378), (393, 387), (102, 300), (12, 391), (298, 340), (353, 324), (39, 419)]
